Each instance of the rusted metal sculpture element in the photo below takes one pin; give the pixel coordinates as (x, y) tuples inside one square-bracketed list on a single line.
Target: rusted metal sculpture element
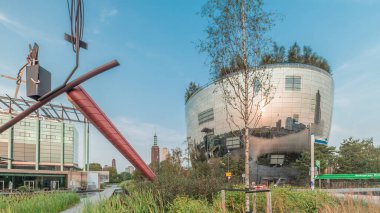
[(58, 92), (84, 103)]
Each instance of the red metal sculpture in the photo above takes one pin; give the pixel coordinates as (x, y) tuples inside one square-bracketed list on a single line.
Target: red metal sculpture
[(84, 103)]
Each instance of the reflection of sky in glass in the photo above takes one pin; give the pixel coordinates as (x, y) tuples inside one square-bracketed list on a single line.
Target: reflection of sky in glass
[(290, 112)]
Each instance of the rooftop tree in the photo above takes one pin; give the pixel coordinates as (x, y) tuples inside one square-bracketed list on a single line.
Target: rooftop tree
[(237, 31), (191, 89), (295, 55)]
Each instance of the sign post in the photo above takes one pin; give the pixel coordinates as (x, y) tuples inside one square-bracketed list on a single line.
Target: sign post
[(312, 140), (318, 165)]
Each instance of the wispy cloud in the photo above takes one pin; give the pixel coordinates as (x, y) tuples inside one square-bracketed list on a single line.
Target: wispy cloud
[(356, 96), (24, 31), (11, 25), (108, 13)]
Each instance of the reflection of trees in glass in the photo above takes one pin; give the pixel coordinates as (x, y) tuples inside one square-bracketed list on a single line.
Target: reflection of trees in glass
[(295, 55), (291, 127)]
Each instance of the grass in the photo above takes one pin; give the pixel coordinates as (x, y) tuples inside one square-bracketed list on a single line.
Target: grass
[(284, 200), (138, 201), (40, 202)]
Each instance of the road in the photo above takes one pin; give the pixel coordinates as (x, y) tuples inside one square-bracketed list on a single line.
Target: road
[(94, 198)]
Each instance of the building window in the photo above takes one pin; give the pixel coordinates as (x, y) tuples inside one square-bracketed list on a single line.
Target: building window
[(24, 123), (293, 83), (205, 116), (51, 137), (24, 134), (233, 143)]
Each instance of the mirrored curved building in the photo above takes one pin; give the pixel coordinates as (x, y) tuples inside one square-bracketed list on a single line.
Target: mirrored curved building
[(303, 99)]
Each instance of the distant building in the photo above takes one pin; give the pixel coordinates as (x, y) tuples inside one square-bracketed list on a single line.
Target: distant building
[(41, 151), (105, 167), (114, 163), (164, 154), (130, 169), (155, 154)]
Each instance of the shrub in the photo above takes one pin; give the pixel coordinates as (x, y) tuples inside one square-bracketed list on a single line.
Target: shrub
[(189, 205)]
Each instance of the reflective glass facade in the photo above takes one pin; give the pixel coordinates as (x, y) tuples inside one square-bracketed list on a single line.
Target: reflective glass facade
[(303, 97), (57, 142)]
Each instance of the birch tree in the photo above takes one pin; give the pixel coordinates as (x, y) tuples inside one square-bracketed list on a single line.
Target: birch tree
[(235, 43)]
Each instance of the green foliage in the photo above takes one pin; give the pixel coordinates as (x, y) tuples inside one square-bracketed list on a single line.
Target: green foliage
[(284, 199), (203, 180), (114, 178), (236, 64), (191, 89), (354, 156), (24, 189), (325, 154), (189, 205), (230, 39), (41, 202), (138, 201), (358, 156), (123, 176), (295, 55), (95, 167)]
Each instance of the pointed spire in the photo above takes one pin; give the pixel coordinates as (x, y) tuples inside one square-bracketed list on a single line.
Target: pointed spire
[(155, 139)]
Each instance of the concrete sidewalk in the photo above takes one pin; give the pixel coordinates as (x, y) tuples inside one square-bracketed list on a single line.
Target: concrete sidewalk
[(367, 198), (96, 197)]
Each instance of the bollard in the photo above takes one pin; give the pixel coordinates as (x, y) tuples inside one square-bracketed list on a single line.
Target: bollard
[(269, 202), (253, 202)]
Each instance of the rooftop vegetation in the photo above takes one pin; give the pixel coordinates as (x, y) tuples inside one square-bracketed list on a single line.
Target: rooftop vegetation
[(190, 90), (294, 55), (277, 55)]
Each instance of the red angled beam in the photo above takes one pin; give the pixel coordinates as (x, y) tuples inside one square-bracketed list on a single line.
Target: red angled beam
[(84, 103)]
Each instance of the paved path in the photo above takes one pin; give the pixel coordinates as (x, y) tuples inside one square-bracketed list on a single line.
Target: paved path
[(367, 198), (351, 190), (96, 197), (342, 193)]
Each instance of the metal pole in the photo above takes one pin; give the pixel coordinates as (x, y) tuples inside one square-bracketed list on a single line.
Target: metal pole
[(63, 146), (312, 182), (88, 147), (84, 145), (223, 195), (10, 146), (269, 202), (58, 92), (253, 202), (38, 130)]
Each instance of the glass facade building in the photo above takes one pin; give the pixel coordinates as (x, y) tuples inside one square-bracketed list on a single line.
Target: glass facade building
[(303, 98), (39, 143)]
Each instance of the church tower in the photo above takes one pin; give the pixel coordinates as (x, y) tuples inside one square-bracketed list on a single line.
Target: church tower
[(155, 154)]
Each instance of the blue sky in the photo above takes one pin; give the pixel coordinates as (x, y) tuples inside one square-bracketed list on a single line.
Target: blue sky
[(155, 44)]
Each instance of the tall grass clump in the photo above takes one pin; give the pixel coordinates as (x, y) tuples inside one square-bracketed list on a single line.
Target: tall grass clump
[(284, 199), (189, 205), (350, 204), (137, 201), (41, 202)]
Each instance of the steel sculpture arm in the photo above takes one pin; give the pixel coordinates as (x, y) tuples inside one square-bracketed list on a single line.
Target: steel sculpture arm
[(84, 103), (58, 92)]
